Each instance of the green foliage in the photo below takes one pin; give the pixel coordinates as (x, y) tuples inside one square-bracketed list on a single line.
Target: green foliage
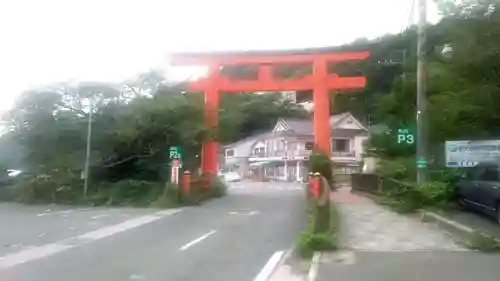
[(170, 197), (309, 243), (463, 85), (320, 163), (219, 188), (128, 193), (243, 114), (482, 242), (133, 124), (406, 197), (396, 168), (436, 193)]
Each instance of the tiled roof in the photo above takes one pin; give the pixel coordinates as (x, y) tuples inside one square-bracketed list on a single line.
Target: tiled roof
[(247, 139), (305, 127), (300, 126)]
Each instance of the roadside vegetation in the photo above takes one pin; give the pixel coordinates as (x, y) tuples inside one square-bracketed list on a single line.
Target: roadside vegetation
[(323, 221), (463, 96), (133, 124)]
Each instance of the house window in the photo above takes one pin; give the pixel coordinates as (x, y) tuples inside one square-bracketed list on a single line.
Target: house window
[(309, 145), (229, 152), (341, 145), (259, 151)]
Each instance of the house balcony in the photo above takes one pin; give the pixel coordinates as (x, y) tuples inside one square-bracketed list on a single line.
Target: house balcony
[(298, 155), (344, 154)]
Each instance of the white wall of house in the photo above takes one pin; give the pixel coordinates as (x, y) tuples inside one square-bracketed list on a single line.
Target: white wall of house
[(359, 147), (241, 151)]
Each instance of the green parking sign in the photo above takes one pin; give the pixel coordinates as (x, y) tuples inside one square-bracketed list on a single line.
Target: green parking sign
[(405, 136), (175, 152)]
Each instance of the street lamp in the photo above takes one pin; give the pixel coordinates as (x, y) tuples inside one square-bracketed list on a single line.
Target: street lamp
[(87, 153), (285, 142)]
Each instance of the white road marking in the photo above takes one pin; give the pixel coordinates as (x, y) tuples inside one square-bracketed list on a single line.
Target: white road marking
[(313, 270), (99, 216), (197, 240), (268, 269), (244, 213), (48, 212), (31, 254), (38, 252)]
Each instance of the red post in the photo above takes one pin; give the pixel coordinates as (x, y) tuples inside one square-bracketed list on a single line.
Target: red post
[(186, 182), (209, 157), (321, 98), (315, 186)]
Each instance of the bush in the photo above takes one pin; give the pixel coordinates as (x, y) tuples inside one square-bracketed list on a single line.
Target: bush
[(46, 189), (311, 240), (126, 193), (407, 197), (435, 193), (320, 163), (170, 197), (219, 188), (397, 168)]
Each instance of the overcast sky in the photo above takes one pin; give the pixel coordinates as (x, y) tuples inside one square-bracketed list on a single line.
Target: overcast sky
[(45, 41)]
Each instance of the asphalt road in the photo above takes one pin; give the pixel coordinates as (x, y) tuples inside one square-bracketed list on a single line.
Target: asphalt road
[(239, 237)]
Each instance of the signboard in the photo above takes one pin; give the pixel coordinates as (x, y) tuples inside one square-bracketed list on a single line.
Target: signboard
[(470, 153), (405, 136), (175, 152), (421, 162)]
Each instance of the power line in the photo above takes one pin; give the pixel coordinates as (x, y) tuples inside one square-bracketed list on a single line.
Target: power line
[(411, 15)]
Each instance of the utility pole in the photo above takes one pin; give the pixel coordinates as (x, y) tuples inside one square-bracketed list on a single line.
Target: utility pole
[(421, 115), (87, 157)]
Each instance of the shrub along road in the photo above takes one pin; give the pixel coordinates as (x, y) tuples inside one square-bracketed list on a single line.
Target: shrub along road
[(239, 237)]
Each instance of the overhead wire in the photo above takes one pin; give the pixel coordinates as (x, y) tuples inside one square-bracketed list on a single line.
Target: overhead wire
[(411, 14)]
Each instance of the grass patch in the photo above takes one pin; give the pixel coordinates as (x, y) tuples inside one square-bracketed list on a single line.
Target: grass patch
[(310, 241), (482, 242)]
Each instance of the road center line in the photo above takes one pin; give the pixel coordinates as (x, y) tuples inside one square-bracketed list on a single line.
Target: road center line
[(271, 264), (197, 240)]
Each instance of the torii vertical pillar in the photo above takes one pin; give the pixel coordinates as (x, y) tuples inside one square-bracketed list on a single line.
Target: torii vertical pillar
[(321, 99), (210, 149)]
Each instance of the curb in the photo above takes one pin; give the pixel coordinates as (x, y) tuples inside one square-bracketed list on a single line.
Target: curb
[(314, 268), (282, 272), (453, 227)]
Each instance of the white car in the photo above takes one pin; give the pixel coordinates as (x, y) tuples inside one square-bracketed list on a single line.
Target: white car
[(231, 177)]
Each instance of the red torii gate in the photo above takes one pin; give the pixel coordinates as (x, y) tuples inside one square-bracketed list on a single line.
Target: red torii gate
[(320, 81)]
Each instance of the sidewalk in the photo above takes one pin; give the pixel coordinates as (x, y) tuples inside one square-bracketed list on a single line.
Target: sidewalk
[(380, 245), (367, 226)]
